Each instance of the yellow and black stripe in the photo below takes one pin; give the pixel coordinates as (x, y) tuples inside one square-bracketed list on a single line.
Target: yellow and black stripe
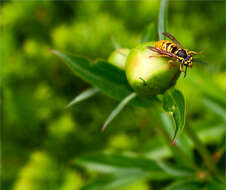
[(167, 46), (172, 48)]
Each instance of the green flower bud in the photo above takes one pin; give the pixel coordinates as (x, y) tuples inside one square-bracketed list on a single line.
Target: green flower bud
[(118, 58), (150, 75)]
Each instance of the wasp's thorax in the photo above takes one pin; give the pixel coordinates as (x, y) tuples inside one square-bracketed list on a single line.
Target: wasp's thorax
[(184, 57)]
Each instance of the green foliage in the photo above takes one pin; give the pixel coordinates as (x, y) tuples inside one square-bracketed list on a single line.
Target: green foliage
[(64, 36), (103, 75), (42, 171), (124, 170), (109, 79)]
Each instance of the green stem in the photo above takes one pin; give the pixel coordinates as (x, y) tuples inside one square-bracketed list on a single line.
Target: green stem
[(162, 19), (209, 162), (206, 156)]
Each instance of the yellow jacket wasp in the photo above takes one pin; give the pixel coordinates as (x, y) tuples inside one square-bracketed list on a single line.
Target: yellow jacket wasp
[(174, 50)]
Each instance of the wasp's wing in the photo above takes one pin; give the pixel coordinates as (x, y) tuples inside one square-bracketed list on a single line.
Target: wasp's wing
[(199, 61), (162, 52), (170, 36)]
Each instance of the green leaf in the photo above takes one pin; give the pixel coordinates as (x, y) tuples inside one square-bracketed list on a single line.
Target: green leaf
[(162, 19), (185, 185), (104, 76), (118, 109), (149, 33), (83, 96), (173, 103), (114, 163), (116, 181)]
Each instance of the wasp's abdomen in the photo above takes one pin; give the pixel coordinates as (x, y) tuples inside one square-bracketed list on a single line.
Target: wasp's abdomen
[(166, 45)]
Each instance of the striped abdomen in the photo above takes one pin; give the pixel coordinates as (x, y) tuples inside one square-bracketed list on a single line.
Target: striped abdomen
[(166, 45)]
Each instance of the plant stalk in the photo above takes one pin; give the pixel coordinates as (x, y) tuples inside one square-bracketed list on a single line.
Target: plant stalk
[(204, 153)]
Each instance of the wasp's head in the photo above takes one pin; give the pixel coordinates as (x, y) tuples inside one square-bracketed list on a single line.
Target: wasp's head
[(188, 61)]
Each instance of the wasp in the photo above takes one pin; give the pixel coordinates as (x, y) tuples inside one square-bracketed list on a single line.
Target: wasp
[(175, 51)]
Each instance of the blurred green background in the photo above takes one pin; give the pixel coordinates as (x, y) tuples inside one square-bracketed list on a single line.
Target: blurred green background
[(39, 138)]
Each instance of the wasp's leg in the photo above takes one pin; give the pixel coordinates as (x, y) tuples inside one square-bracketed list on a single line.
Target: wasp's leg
[(158, 55), (185, 70), (194, 52), (144, 82), (181, 67), (172, 63)]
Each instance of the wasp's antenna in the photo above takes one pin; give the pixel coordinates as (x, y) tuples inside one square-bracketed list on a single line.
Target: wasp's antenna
[(185, 72)]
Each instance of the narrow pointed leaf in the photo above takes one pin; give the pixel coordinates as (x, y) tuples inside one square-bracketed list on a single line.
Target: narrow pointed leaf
[(117, 181), (118, 109), (104, 76), (83, 96), (115, 163), (149, 33), (125, 170), (173, 103), (162, 19)]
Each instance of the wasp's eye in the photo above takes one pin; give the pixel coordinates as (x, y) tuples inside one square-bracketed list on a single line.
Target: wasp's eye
[(182, 53)]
